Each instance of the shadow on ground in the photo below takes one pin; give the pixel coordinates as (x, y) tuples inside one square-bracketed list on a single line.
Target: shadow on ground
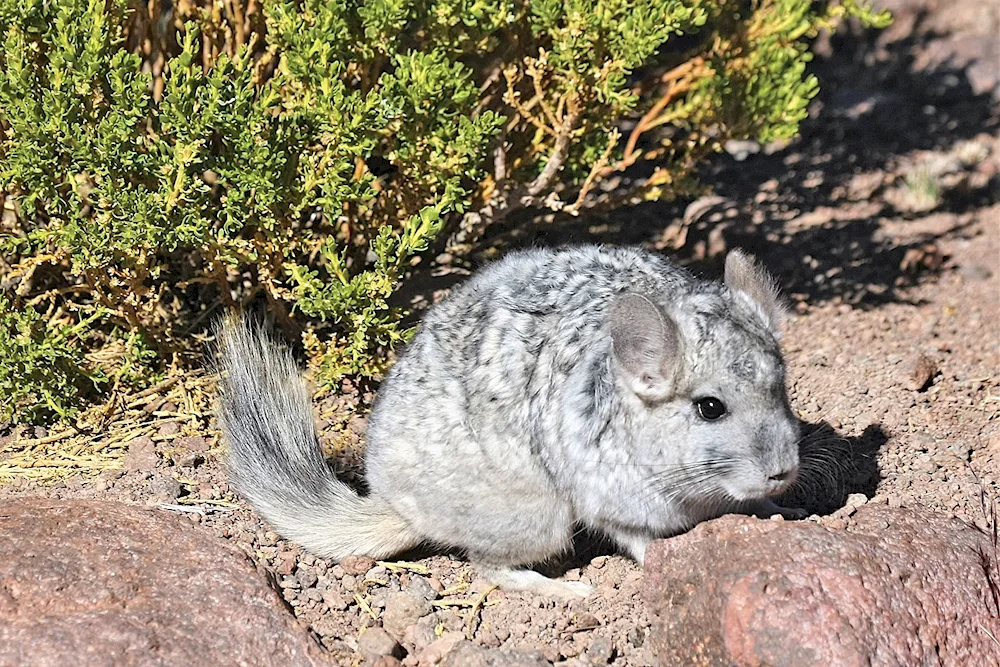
[(833, 467), (813, 210)]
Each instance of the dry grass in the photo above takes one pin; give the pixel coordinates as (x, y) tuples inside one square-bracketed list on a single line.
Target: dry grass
[(99, 439)]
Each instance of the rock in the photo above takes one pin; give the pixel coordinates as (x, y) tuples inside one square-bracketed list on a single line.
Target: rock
[(169, 428), (141, 455), (127, 586), (401, 611), (600, 651), (307, 577), (901, 588), (420, 588), (165, 488), (467, 654), (433, 653), (195, 443), (187, 459), (921, 372), (334, 599), (375, 642), (357, 565)]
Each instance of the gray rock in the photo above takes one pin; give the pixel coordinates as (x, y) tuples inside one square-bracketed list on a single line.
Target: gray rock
[(401, 611), (375, 642), (467, 654), (900, 588), (420, 588)]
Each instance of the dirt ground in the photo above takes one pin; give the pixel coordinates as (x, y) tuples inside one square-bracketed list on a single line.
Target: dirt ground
[(882, 223)]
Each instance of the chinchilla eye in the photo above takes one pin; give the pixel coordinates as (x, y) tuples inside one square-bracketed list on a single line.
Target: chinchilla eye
[(710, 408)]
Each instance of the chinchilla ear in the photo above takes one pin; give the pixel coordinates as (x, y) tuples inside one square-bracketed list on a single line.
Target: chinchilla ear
[(646, 344), (744, 274)]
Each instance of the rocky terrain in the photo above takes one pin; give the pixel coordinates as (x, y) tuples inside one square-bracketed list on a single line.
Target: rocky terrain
[(882, 223)]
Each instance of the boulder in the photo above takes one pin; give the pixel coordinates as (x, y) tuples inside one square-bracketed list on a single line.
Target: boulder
[(900, 587), (97, 583)]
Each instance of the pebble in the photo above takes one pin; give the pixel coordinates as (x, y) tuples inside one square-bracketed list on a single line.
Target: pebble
[(169, 428), (420, 588), (421, 633), (334, 599), (187, 459), (141, 454), (434, 652), (401, 611), (164, 487), (375, 642), (586, 621), (600, 651), (195, 443), (920, 373), (286, 563), (306, 577), (357, 565), (377, 574)]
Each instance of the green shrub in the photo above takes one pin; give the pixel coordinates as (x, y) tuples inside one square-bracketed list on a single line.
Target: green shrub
[(156, 167)]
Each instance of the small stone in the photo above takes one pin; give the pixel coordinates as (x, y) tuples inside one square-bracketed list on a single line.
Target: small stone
[(434, 652), (195, 443), (420, 634), (286, 563), (586, 621), (306, 577), (421, 589), (187, 459), (598, 562), (600, 651), (141, 455), (375, 642), (164, 487), (357, 565), (570, 649), (856, 500), (401, 611), (385, 661), (921, 373), (377, 574), (334, 600), (169, 428)]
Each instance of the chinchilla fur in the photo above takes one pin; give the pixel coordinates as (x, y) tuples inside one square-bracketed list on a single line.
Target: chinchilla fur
[(554, 389)]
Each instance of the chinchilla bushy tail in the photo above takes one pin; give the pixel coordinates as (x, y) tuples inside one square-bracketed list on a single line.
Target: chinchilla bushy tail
[(275, 462)]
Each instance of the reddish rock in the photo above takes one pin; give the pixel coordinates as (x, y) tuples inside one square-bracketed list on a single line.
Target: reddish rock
[(899, 588), (141, 455), (96, 583)]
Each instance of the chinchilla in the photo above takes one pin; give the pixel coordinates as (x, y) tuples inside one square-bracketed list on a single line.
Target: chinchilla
[(599, 387)]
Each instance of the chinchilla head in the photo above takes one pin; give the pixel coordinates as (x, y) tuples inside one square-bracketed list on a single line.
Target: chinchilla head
[(705, 381)]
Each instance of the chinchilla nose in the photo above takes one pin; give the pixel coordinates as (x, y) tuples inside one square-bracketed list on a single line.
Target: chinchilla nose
[(786, 475), (784, 466)]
